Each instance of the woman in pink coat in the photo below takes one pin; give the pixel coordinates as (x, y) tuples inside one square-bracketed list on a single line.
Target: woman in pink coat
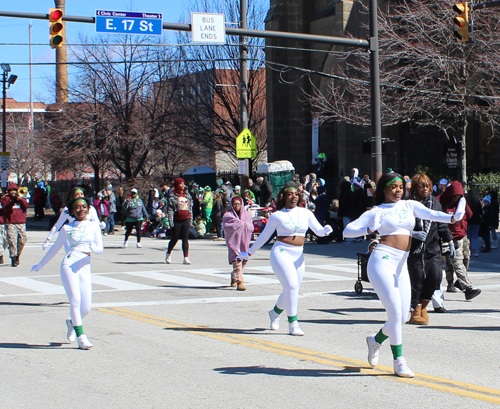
[(238, 229)]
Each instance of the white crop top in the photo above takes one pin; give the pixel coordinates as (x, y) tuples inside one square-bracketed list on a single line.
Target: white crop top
[(82, 236), (394, 219), (290, 222)]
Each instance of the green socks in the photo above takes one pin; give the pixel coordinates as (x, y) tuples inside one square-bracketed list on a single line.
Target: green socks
[(78, 329), (380, 337), (277, 310), (397, 351), (292, 319)]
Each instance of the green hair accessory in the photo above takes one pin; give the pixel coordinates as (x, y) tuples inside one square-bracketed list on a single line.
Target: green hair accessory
[(392, 181), (291, 187), (79, 200)]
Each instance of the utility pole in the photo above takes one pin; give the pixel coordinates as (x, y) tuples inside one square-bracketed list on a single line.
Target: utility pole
[(62, 94), (244, 87), (376, 137)]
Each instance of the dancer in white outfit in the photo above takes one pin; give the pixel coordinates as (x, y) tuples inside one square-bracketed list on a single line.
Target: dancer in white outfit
[(291, 224), (80, 238), (394, 219), (66, 217)]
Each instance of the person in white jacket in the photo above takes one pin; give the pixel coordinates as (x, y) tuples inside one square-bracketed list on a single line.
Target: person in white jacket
[(394, 220), (291, 223), (65, 216), (79, 238)]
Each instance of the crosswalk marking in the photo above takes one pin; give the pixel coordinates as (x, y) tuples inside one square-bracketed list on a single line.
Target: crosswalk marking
[(211, 278), (34, 285), (118, 284), (168, 278)]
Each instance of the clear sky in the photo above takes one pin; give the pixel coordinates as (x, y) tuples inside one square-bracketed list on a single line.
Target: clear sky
[(16, 31)]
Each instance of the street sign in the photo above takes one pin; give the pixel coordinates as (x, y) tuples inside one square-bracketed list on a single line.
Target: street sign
[(208, 28), (127, 22), (246, 145), (243, 167), (4, 160)]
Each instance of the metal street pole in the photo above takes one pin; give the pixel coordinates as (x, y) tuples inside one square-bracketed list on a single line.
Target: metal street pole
[(4, 111), (244, 86), (376, 137)]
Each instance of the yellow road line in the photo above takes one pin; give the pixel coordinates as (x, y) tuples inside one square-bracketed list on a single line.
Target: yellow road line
[(440, 384)]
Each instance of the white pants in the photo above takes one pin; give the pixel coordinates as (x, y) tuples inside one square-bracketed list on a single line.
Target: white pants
[(77, 282), (288, 264), (388, 274)]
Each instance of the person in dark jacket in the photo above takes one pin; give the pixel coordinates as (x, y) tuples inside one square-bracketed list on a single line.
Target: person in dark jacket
[(135, 214), (425, 264), (347, 210), (455, 265), (474, 223), (217, 213), (266, 192), (490, 222), (14, 212)]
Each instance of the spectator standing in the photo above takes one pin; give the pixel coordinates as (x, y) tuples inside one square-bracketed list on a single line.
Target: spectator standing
[(347, 210), (474, 223), (217, 213), (101, 205), (254, 188), (14, 211), (455, 265), (319, 163), (266, 192), (39, 200), (135, 214), (110, 224), (207, 205)]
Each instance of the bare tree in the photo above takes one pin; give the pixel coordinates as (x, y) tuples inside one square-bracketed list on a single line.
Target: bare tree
[(427, 77), (120, 109), (210, 101)]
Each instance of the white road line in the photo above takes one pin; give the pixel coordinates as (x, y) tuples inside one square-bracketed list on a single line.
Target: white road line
[(34, 285), (117, 284), (168, 278)]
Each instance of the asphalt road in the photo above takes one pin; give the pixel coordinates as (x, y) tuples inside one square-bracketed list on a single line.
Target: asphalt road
[(171, 336)]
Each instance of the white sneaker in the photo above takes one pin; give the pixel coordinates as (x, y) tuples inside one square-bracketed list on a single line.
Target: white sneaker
[(293, 328), (168, 260), (138, 245), (275, 320), (71, 331), (401, 369), (186, 261), (125, 243), (373, 350), (83, 342)]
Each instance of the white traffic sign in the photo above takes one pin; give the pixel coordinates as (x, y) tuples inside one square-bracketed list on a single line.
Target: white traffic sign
[(208, 28), (4, 160)]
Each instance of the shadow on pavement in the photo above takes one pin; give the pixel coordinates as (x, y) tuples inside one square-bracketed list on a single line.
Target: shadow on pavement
[(220, 330), (52, 345), (249, 370), (28, 304)]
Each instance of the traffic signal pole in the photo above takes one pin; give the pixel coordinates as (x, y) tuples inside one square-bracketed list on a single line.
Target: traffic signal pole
[(371, 45)]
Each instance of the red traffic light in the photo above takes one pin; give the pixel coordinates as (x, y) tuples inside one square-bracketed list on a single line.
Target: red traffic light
[(55, 14), (56, 26)]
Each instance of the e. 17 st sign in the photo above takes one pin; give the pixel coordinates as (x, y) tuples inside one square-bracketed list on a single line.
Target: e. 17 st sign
[(126, 22)]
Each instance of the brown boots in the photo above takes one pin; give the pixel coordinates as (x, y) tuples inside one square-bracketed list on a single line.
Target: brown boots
[(240, 286), (419, 315)]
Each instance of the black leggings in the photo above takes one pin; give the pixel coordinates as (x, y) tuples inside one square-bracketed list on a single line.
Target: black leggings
[(217, 224), (426, 275), (130, 225), (180, 231)]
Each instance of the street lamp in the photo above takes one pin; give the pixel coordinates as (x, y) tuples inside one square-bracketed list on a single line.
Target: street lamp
[(6, 85)]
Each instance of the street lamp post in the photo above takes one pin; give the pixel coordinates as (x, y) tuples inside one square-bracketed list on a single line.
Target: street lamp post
[(6, 85)]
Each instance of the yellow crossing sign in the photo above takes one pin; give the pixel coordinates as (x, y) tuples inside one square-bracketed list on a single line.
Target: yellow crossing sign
[(246, 145)]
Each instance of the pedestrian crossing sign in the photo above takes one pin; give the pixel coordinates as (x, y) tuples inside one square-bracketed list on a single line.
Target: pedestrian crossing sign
[(246, 145)]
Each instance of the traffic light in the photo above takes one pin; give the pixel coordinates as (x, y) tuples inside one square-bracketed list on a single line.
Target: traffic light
[(56, 27), (462, 21)]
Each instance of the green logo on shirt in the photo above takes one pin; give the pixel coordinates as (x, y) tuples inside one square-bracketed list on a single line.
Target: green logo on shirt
[(386, 257)]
